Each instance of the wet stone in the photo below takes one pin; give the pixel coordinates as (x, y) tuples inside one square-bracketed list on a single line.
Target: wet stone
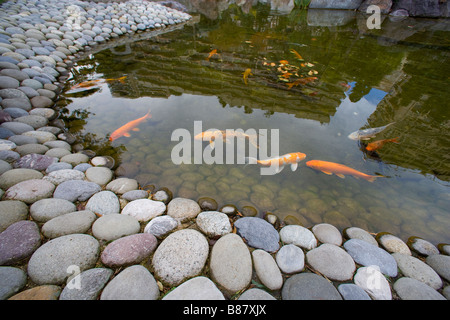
[(258, 233), (392, 244), (122, 185), (358, 233), (18, 242), (309, 286), (367, 255), (422, 247)]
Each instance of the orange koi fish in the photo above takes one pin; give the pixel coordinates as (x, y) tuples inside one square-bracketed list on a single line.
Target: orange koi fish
[(211, 54), (225, 135), (339, 169), (291, 158), (297, 54), (300, 81), (130, 126), (379, 144), (246, 73), (91, 84)]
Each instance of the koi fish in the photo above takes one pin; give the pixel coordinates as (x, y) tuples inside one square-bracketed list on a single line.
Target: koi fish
[(246, 73), (91, 84), (291, 158), (366, 134), (339, 169), (211, 54), (211, 135), (379, 144), (297, 54), (300, 81), (130, 126)]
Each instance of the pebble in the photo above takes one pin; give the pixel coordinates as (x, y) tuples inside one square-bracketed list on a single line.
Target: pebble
[(417, 269), (11, 281), (327, 233), (62, 175), (350, 291), (76, 190), (47, 209), (180, 256), (14, 176), (267, 269), (361, 234), (258, 233), (104, 202), (213, 223), (99, 175), (371, 280), (30, 191), (18, 242), (441, 264), (290, 259), (412, 289), (87, 285), (309, 286), (133, 283), (367, 254), (69, 223), (128, 250), (144, 209), (331, 261), (182, 209), (122, 185), (114, 226), (298, 235), (231, 263), (161, 226), (12, 211), (44, 292), (134, 194), (35, 161), (392, 244), (198, 288), (51, 262), (256, 294), (422, 247)]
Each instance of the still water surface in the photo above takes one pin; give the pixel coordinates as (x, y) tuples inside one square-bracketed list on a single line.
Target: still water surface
[(364, 79)]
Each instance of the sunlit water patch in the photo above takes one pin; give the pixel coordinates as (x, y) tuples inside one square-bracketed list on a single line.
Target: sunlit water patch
[(172, 77)]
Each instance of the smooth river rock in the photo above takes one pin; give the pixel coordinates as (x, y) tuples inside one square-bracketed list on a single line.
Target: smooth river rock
[(18, 242), (144, 209), (258, 233), (198, 288)]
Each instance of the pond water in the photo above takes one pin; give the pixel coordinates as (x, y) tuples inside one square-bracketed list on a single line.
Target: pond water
[(365, 79)]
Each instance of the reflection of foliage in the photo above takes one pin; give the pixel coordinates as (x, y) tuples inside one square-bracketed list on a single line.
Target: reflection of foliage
[(75, 122), (302, 4)]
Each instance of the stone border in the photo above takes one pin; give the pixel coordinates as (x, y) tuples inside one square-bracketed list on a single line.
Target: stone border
[(36, 56)]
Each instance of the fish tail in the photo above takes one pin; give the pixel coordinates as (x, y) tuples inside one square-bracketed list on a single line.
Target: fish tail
[(372, 178), (395, 140), (250, 160), (122, 79), (148, 115)]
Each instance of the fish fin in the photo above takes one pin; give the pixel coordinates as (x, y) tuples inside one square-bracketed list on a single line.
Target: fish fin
[(136, 129), (340, 175), (294, 166), (127, 135), (122, 79), (250, 160), (395, 140), (327, 172)]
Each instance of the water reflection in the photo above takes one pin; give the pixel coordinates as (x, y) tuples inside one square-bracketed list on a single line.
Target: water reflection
[(363, 81)]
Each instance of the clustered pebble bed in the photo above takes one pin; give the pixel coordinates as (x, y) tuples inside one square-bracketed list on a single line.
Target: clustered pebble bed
[(70, 228)]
